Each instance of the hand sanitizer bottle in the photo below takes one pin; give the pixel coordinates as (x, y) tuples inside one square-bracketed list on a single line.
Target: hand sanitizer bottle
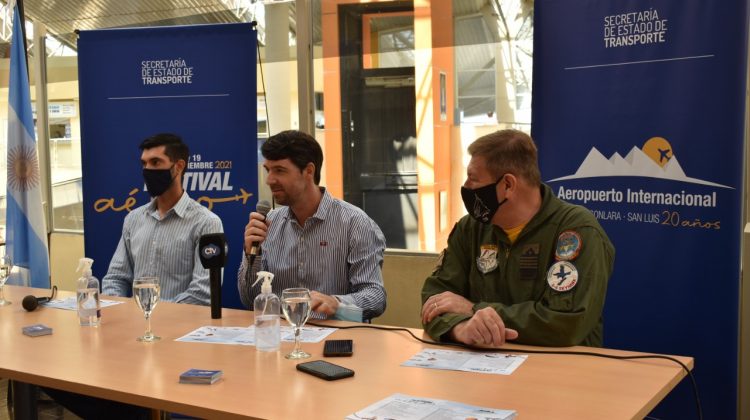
[(87, 292), (267, 308)]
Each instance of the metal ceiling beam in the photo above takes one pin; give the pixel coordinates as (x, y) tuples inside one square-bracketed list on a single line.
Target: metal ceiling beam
[(305, 67)]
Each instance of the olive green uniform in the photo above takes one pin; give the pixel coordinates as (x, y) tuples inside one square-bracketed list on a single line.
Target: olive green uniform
[(515, 283)]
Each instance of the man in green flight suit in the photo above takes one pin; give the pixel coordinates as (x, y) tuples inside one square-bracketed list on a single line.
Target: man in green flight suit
[(523, 265)]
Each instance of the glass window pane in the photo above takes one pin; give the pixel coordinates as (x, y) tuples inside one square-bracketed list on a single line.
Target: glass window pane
[(486, 86), (388, 40), (64, 142)]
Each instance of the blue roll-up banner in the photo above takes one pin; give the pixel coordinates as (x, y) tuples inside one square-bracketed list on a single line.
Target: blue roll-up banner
[(638, 112), (196, 81)]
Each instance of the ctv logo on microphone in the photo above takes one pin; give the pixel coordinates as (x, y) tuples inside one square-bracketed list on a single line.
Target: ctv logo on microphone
[(210, 251)]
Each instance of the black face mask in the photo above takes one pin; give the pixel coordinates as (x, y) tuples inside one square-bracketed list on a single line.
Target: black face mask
[(157, 180), (481, 203)]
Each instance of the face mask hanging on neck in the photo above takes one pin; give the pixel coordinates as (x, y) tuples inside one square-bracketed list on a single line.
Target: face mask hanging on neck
[(157, 181), (481, 203)]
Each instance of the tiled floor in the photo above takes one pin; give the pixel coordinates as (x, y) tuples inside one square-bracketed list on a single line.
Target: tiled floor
[(48, 410)]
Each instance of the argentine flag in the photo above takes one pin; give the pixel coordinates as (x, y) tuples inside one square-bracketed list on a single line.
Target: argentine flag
[(26, 233)]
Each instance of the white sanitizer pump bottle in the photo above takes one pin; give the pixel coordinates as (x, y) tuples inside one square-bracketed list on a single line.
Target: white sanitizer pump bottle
[(87, 295), (267, 308)]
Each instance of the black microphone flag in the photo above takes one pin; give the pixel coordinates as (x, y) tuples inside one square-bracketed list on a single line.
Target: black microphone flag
[(212, 250)]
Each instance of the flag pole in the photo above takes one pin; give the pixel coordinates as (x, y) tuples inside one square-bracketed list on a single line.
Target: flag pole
[(22, 16)]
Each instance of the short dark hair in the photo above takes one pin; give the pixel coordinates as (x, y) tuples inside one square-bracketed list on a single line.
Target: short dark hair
[(297, 146), (509, 151), (175, 149)]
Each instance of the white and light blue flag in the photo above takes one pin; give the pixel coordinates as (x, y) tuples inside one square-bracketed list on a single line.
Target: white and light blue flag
[(26, 232)]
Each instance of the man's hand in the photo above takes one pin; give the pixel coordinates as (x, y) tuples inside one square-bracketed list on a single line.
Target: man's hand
[(485, 328), (323, 303), (443, 303), (255, 230)]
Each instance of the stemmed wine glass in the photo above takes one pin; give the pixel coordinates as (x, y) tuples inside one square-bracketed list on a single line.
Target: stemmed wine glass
[(295, 303), (146, 295), (6, 265)]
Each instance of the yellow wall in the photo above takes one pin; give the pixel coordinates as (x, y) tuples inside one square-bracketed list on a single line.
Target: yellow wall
[(65, 251), (404, 274)]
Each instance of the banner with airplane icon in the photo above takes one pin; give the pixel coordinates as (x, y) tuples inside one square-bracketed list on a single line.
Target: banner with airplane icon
[(638, 113), (195, 81)]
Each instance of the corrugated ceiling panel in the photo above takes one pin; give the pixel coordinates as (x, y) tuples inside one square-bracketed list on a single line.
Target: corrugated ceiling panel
[(63, 17)]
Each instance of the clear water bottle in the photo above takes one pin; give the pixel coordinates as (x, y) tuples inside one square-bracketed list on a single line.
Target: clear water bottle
[(267, 308), (87, 295)]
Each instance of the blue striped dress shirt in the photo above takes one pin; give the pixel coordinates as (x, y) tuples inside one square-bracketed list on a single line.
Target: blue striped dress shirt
[(166, 248), (338, 252)]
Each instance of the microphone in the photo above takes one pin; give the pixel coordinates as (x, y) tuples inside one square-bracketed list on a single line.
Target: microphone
[(213, 254), (32, 302), (263, 207)]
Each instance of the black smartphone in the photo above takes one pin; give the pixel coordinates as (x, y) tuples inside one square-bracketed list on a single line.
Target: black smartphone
[(325, 370), (337, 348)]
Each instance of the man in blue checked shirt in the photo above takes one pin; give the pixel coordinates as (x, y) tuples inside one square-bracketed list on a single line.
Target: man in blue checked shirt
[(158, 239), (161, 238), (315, 241)]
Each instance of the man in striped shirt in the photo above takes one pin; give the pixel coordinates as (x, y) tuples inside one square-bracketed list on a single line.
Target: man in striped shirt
[(316, 241), (158, 239), (161, 238)]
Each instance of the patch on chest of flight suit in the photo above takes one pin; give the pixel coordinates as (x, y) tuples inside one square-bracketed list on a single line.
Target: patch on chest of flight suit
[(529, 262), (487, 260)]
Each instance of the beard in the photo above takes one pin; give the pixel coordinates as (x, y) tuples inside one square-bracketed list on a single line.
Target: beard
[(280, 197)]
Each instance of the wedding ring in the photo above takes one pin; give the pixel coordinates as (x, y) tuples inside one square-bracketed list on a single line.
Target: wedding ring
[(435, 303)]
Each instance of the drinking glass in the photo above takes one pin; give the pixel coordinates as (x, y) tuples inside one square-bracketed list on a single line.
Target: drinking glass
[(295, 303), (6, 265), (146, 296)]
